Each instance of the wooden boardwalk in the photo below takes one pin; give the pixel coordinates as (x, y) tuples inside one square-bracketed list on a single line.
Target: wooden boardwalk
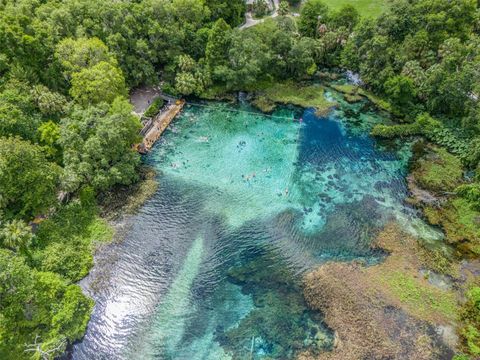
[(159, 123)]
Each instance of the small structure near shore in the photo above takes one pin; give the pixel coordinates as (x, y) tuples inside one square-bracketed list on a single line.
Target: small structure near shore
[(155, 128)]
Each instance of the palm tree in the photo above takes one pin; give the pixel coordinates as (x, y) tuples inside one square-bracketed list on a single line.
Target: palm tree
[(16, 235)]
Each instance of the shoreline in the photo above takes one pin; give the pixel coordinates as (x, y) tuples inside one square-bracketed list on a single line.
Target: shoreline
[(123, 203)]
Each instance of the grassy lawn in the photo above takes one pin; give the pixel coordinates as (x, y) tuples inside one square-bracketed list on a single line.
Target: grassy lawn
[(372, 8)]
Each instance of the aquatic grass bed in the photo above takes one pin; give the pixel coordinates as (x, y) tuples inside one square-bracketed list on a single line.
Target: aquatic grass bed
[(423, 299), (305, 96)]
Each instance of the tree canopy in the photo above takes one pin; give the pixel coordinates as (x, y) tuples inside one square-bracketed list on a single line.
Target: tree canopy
[(28, 181), (97, 146)]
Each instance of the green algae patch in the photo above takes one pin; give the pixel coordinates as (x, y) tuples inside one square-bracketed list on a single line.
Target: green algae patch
[(354, 93), (346, 88), (470, 314), (303, 96), (438, 170), (264, 104), (438, 260), (394, 131), (400, 280), (350, 92), (353, 98), (460, 221), (379, 102), (419, 297)]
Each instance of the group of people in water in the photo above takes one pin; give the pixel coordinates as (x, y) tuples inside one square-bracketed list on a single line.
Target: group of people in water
[(247, 178)]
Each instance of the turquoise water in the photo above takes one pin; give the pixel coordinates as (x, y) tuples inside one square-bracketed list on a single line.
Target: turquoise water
[(211, 266)]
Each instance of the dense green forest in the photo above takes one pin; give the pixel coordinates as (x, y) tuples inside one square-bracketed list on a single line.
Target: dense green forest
[(67, 129)]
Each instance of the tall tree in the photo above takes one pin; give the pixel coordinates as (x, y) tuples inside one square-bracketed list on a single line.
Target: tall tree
[(97, 146), (28, 181), (77, 54), (312, 15), (38, 308), (218, 43), (16, 235), (102, 82), (232, 11)]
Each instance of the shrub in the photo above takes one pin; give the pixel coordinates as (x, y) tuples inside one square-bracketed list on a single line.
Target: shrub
[(169, 89), (392, 131), (154, 107), (432, 129)]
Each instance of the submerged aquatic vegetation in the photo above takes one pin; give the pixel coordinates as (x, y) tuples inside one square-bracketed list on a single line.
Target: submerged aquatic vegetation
[(264, 104), (384, 310), (272, 196), (439, 174), (460, 221), (281, 325), (470, 314), (418, 296)]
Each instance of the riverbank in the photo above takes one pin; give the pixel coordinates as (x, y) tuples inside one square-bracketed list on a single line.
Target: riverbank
[(126, 200)]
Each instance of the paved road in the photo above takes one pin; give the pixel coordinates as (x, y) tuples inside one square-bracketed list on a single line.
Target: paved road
[(250, 21)]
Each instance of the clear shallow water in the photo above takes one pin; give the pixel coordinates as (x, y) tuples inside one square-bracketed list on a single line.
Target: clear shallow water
[(211, 266)]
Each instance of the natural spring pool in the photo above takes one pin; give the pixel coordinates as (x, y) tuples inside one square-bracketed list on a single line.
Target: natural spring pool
[(211, 266)]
